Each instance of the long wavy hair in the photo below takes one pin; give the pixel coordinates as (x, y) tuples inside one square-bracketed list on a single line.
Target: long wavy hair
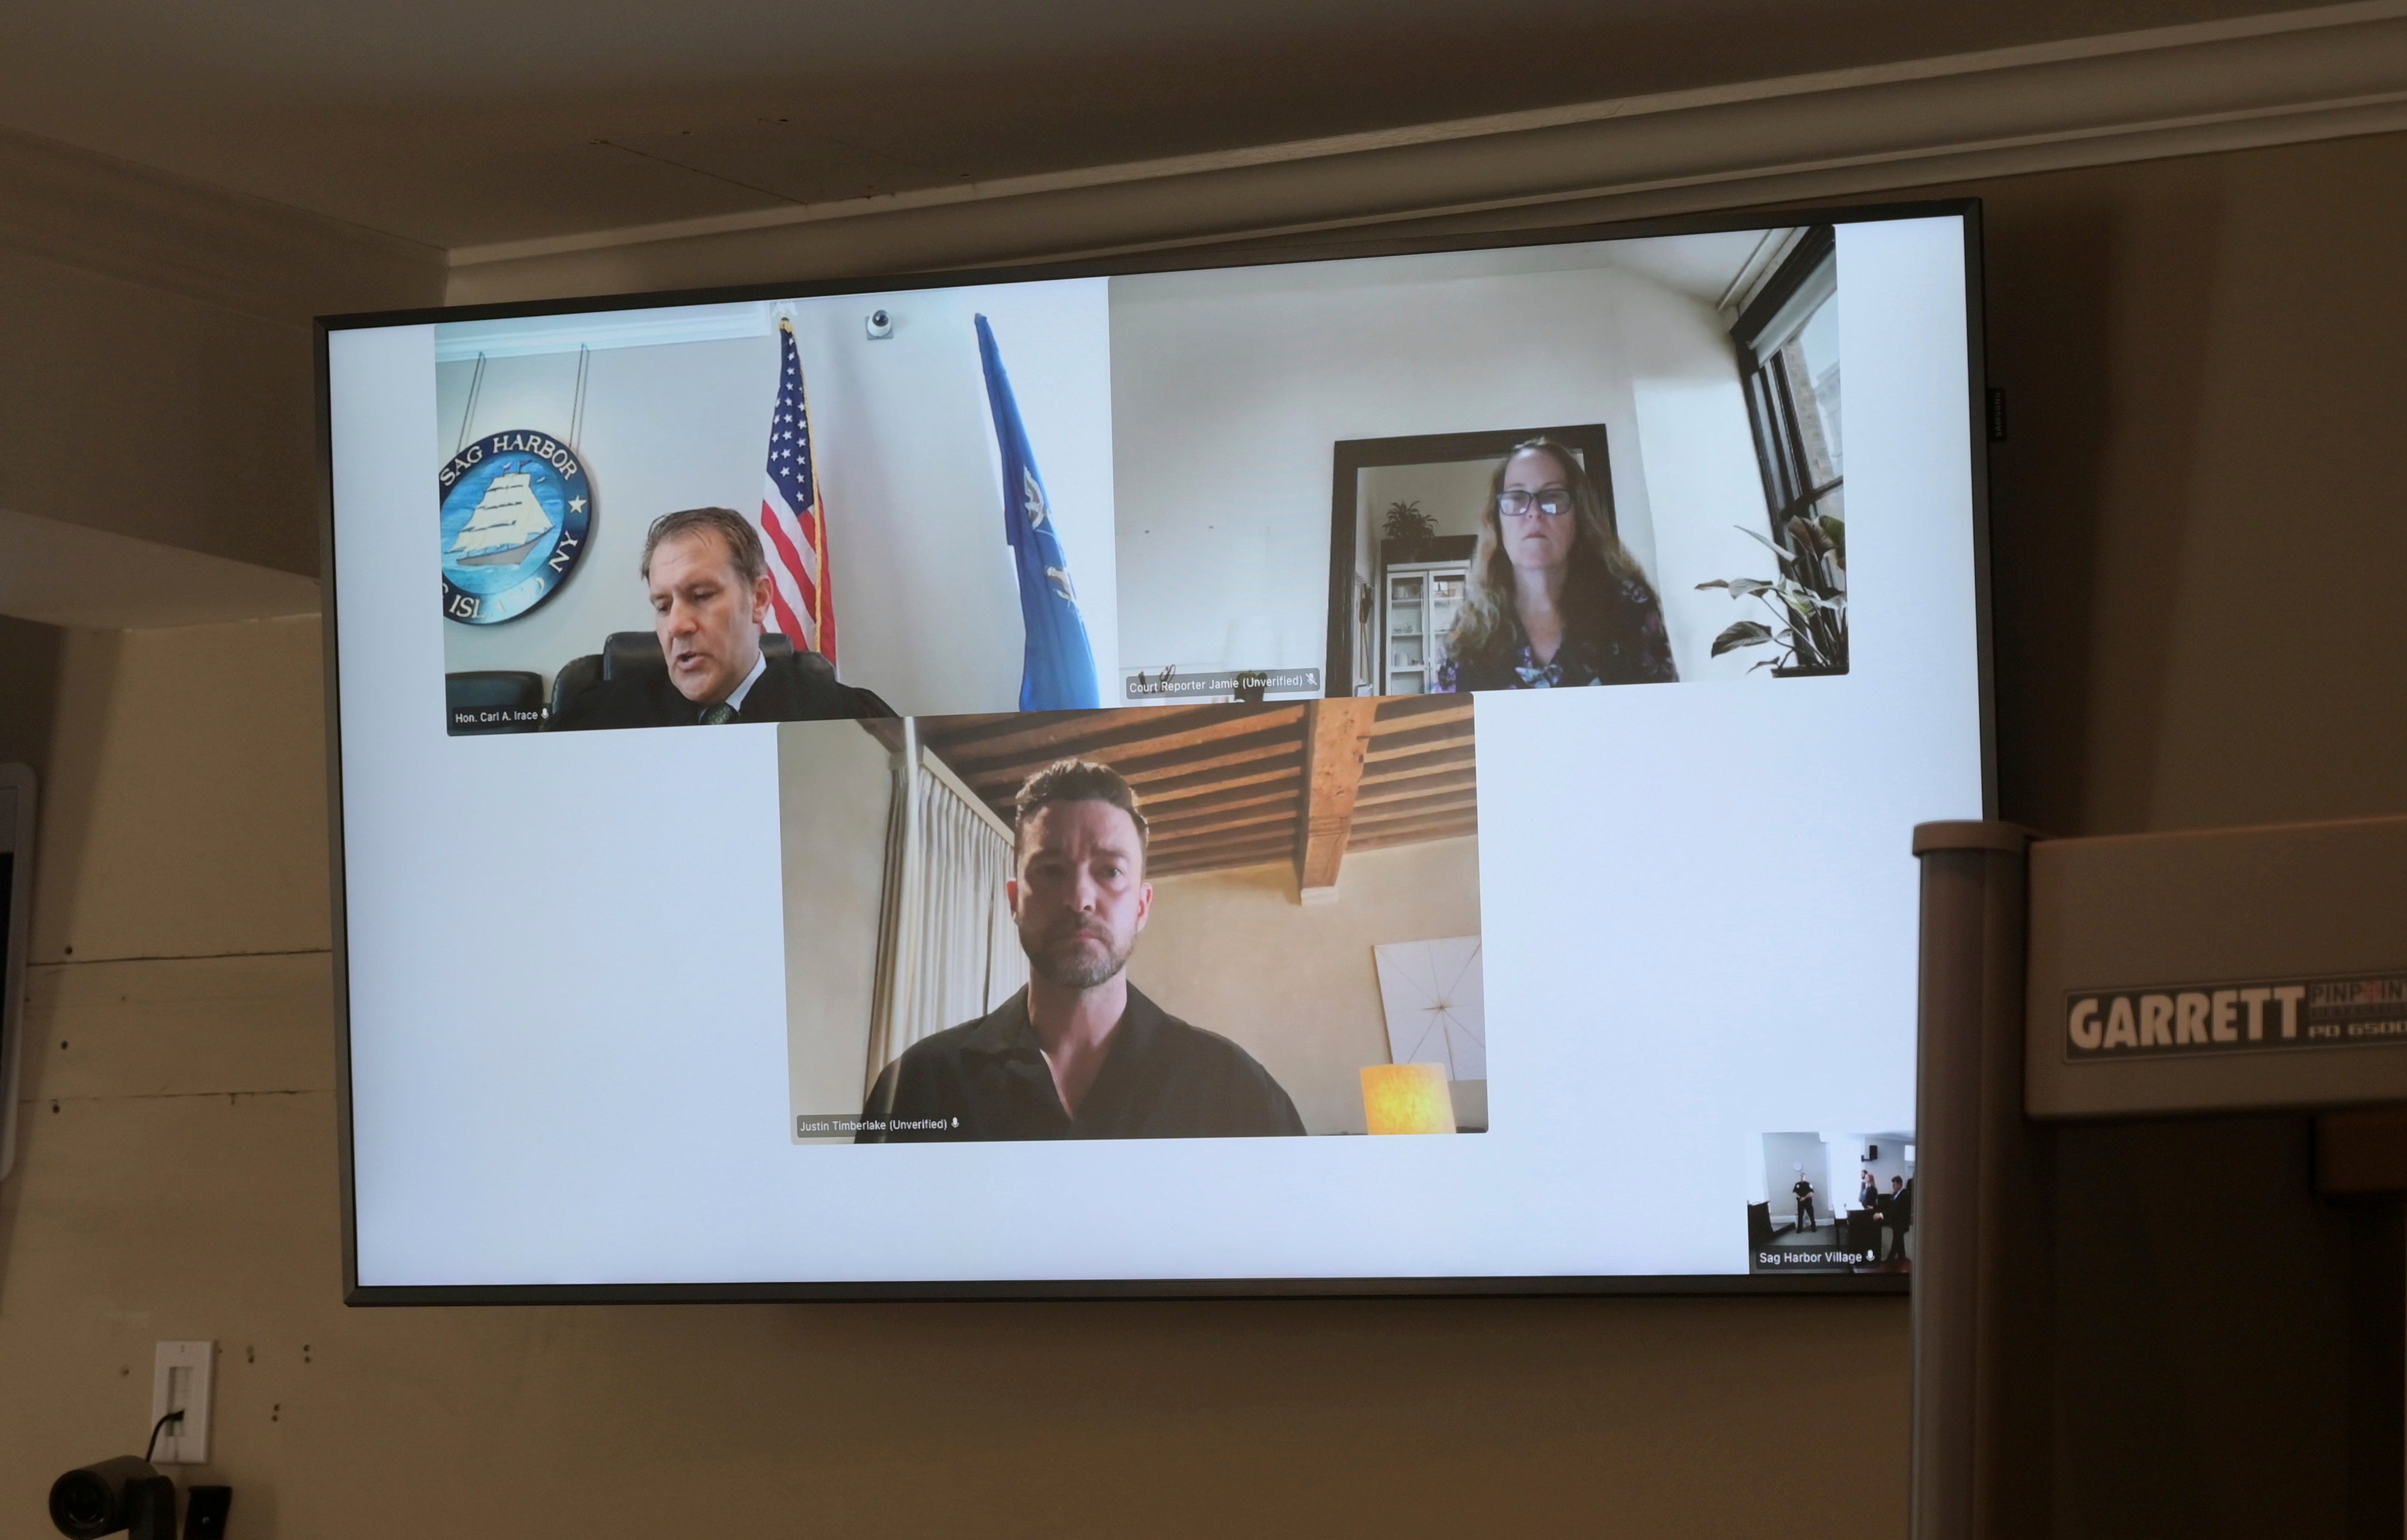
[(1600, 565)]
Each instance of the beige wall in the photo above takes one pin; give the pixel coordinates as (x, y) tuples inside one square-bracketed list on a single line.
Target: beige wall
[(1293, 985), (2196, 514), (2200, 358), (188, 778), (158, 376), (835, 785), (129, 379)]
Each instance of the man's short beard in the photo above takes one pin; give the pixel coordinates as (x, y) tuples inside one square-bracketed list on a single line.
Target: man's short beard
[(1076, 968)]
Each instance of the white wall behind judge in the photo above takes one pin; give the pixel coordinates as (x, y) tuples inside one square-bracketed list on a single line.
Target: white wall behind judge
[(927, 604)]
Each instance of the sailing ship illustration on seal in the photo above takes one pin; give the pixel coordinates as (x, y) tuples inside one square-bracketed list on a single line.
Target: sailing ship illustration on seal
[(516, 513), (504, 525)]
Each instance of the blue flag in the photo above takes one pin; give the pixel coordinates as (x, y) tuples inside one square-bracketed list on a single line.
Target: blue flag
[(1056, 672)]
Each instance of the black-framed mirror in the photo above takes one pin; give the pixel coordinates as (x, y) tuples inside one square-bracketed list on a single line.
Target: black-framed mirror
[(1415, 501)]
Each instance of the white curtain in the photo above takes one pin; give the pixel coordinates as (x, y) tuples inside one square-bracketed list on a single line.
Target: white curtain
[(950, 953)]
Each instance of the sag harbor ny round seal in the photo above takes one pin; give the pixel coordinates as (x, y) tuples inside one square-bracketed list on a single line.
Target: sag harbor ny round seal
[(517, 508)]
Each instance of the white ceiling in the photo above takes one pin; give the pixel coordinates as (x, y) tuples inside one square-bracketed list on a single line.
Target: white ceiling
[(1702, 266), (457, 124)]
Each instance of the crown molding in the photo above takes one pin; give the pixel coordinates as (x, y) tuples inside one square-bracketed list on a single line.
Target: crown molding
[(2326, 73), (523, 336), (92, 212)]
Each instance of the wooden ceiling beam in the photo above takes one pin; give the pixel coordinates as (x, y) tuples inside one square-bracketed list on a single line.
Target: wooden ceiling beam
[(1375, 828), (1244, 852), (1273, 858), (1145, 764), (1443, 757), (1183, 815), (1248, 843), (1440, 802), (1153, 763), (1006, 734), (1336, 733), (1227, 852), (1413, 807), (1286, 768), (1387, 746), (1231, 838), (1108, 735), (1244, 818), (968, 741), (1398, 713), (1195, 839), (1253, 841), (1399, 788), (1383, 837), (1276, 845)]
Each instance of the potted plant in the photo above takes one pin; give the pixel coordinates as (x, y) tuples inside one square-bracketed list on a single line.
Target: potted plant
[(1405, 532), (1806, 597)]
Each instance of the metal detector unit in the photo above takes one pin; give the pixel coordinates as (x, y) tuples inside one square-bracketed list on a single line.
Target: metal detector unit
[(2229, 970)]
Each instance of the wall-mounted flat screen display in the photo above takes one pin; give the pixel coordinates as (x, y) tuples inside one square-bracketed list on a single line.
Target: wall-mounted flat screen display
[(1377, 773)]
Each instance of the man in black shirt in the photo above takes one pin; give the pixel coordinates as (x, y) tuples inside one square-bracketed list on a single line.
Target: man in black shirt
[(711, 591), (1898, 1209), (1080, 1053)]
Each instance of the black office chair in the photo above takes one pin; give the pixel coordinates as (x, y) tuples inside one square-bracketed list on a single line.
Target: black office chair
[(575, 676), (626, 653), (493, 700)]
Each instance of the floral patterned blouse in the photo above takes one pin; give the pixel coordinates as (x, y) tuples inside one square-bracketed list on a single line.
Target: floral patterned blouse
[(1629, 647)]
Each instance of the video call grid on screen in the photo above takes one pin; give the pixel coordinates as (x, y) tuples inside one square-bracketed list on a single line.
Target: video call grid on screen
[(640, 1014)]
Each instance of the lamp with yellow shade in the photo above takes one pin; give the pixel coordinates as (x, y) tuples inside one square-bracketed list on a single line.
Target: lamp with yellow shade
[(1406, 1099)]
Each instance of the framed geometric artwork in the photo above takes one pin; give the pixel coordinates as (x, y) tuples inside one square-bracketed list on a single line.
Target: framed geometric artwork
[(1436, 1009)]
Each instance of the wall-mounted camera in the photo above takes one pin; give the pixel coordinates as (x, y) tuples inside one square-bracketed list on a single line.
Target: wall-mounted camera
[(879, 323), (124, 1493), (128, 1493)]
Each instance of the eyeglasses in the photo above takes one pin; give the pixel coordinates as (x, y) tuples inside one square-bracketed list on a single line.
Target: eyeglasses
[(1553, 502)]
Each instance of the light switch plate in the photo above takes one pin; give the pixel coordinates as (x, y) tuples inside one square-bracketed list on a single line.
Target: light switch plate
[(181, 1377)]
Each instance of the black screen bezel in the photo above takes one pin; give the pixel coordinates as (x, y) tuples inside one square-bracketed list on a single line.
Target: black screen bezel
[(1784, 1285)]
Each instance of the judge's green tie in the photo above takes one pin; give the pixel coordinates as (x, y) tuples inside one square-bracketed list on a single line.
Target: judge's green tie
[(718, 715)]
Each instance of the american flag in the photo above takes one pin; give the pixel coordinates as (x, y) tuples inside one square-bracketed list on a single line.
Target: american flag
[(793, 520)]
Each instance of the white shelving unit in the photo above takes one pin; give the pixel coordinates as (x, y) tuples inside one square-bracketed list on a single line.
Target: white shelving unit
[(1418, 601)]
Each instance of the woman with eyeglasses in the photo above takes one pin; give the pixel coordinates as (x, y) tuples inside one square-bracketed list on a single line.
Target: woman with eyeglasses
[(1553, 598)]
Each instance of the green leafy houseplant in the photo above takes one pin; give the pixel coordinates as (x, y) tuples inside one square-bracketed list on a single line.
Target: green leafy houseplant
[(1807, 598), (1406, 522)]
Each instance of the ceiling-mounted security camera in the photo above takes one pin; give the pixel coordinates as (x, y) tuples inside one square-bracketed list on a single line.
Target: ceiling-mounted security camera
[(879, 323)]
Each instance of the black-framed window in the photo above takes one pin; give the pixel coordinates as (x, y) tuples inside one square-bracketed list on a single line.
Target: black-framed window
[(1788, 340)]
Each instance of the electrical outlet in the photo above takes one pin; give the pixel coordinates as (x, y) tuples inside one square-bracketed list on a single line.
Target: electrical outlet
[(181, 1374)]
